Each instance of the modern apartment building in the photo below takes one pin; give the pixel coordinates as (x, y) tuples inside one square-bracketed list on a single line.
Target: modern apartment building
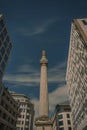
[(5, 46), (8, 110), (62, 117), (76, 75), (26, 110)]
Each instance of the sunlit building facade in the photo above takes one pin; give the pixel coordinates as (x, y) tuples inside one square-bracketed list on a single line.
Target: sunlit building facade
[(26, 110), (76, 75), (5, 46), (8, 110), (62, 119)]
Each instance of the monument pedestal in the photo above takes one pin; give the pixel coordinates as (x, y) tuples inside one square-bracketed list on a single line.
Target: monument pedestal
[(43, 123)]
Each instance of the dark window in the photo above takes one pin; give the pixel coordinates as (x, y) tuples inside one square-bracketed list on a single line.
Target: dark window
[(6, 58), (27, 123), (5, 43), (1, 24), (1, 74), (69, 122), (8, 39), (0, 58), (60, 116), (5, 32), (68, 115), (8, 51), (61, 128), (69, 128), (84, 22), (60, 123), (0, 43), (27, 117), (2, 51), (3, 65), (1, 36), (43, 128)]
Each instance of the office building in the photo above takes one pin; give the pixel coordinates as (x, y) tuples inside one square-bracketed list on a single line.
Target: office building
[(62, 119), (8, 110), (76, 75), (43, 122), (26, 110), (5, 46)]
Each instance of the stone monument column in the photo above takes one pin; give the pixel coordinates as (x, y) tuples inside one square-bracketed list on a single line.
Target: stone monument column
[(44, 108), (43, 122)]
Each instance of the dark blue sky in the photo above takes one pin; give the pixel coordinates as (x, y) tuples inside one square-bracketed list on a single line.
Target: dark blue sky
[(33, 26)]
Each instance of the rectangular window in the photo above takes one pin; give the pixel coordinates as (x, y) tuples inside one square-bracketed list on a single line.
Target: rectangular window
[(60, 116), (68, 115), (60, 123), (69, 122), (62, 128), (69, 128)]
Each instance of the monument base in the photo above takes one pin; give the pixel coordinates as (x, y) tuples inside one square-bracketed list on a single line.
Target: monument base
[(43, 123)]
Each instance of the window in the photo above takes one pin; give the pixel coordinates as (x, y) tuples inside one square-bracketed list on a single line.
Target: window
[(6, 58), (69, 128), (61, 128), (68, 115), (84, 22), (27, 123), (43, 128), (60, 123), (60, 116), (1, 24), (69, 122), (2, 51), (3, 65)]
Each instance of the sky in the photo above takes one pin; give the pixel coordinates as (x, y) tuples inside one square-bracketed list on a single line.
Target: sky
[(35, 25)]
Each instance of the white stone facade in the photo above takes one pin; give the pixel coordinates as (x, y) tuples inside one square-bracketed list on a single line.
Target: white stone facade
[(77, 73), (62, 119), (26, 111)]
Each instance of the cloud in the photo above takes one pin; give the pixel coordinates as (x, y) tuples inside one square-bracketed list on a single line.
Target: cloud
[(58, 96), (36, 28), (29, 76)]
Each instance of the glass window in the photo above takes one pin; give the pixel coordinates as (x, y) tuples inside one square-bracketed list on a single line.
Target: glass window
[(8, 51), (1, 73), (69, 128), (5, 32), (27, 123), (5, 58), (60, 123), (8, 39), (1, 24), (1, 36), (2, 51), (0, 43), (62, 128), (60, 116), (0, 58), (3, 65), (68, 115), (27, 117), (5, 43), (69, 122)]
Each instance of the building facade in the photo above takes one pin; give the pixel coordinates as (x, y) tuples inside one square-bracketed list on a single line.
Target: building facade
[(76, 75), (26, 110), (62, 118), (5, 46), (8, 110)]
